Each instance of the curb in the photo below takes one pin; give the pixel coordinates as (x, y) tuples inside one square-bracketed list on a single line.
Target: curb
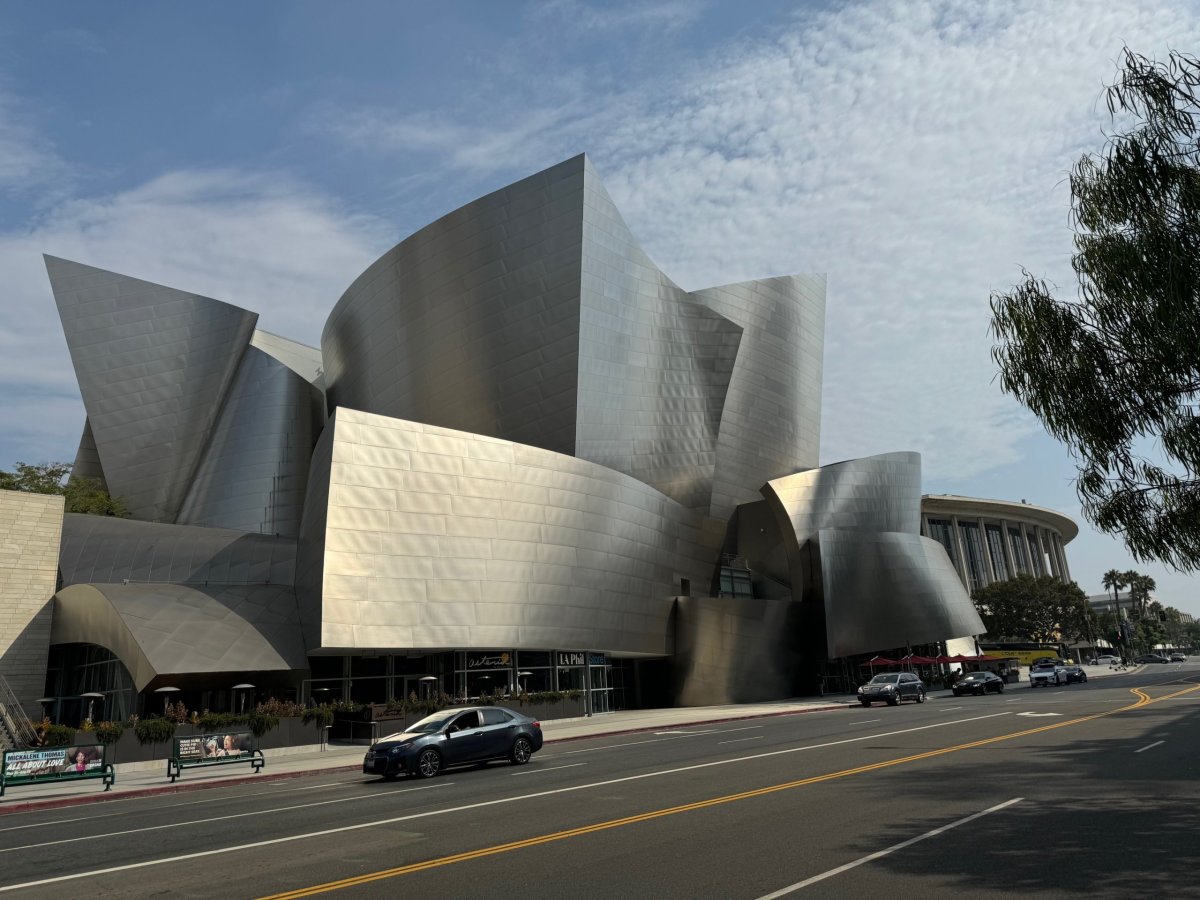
[(137, 793)]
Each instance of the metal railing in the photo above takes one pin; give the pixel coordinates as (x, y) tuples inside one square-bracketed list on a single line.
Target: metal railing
[(17, 725)]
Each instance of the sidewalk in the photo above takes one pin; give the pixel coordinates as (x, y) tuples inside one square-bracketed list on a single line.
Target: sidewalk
[(149, 779)]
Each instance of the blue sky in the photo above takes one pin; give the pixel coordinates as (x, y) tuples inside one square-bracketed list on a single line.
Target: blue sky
[(265, 154)]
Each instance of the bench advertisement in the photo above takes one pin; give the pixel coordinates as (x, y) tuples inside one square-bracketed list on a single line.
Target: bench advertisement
[(205, 747), (52, 762)]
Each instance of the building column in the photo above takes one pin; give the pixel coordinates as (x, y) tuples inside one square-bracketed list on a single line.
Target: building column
[(961, 562), (1048, 550), (1062, 556), (1009, 556), (987, 553)]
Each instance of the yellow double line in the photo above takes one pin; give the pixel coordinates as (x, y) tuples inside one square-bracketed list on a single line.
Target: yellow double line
[(1144, 699)]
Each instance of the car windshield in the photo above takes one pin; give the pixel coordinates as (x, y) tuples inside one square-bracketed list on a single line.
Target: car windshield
[(431, 724), (885, 679)]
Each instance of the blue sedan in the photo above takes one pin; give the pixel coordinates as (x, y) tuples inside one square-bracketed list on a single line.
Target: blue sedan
[(455, 737)]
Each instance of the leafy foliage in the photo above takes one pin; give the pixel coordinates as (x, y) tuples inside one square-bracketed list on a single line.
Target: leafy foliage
[(320, 715), (56, 735), (155, 730), (1028, 608), (1119, 368), (83, 495), (109, 732)]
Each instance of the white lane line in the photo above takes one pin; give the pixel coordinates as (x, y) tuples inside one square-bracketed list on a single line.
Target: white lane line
[(1149, 746), (792, 888), (665, 734), (757, 737), (258, 812), (271, 842), (749, 728), (867, 721), (611, 747), (547, 769), (950, 709)]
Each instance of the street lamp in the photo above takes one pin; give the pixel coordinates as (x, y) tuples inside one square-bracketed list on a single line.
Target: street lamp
[(166, 695), (243, 687), (427, 682), (520, 676), (92, 697)]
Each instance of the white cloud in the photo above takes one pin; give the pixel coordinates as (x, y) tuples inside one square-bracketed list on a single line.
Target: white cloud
[(667, 15), (265, 244)]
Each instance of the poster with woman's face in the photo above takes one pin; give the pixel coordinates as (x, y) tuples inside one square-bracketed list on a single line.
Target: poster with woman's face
[(61, 762)]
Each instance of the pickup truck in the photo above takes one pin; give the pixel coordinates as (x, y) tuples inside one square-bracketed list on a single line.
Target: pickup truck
[(1046, 672)]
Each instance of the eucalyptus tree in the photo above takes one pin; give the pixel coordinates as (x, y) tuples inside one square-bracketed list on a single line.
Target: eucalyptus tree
[(1117, 369)]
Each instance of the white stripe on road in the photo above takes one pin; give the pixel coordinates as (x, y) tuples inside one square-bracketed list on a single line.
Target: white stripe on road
[(271, 842), (757, 737), (792, 888), (950, 709), (547, 769), (1150, 746)]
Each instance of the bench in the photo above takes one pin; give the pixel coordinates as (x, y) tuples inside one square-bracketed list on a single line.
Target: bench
[(204, 750), (40, 765)]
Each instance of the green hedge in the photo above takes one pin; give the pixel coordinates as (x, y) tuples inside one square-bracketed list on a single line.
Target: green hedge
[(58, 736), (156, 730)]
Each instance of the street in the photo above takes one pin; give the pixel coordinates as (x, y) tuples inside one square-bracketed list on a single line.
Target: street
[(1087, 789)]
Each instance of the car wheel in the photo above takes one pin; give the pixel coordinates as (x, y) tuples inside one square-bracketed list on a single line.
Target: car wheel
[(429, 763), (893, 701), (920, 696), (999, 689), (866, 703), (1083, 680), (521, 751)]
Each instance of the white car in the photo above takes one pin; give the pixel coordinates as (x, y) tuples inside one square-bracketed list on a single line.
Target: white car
[(1047, 672), (1107, 660)]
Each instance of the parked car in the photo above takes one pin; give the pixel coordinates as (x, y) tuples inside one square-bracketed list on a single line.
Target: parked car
[(1075, 673), (1046, 671), (1150, 658), (455, 737), (1178, 657), (1107, 660), (979, 683), (892, 688)]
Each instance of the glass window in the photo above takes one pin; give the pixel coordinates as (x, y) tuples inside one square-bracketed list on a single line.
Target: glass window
[(735, 583), (995, 542), (1020, 557), (465, 721), (1035, 554), (942, 532), (493, 716), (973, 548)]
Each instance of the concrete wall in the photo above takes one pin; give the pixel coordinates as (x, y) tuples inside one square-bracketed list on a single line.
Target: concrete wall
[(30, 530)]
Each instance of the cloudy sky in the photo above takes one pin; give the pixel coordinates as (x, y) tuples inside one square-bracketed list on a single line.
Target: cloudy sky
[(264, 154)]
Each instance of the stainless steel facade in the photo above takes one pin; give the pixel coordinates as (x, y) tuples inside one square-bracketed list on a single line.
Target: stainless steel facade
[(518, 434)]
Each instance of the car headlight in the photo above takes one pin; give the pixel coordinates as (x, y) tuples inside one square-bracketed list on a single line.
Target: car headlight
[(860, 688), (396, 751), (890, 688)]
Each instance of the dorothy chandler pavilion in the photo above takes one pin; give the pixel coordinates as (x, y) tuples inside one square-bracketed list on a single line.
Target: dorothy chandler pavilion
[(521, 458)]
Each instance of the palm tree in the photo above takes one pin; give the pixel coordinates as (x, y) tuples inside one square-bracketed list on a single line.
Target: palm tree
[(1114, 581)]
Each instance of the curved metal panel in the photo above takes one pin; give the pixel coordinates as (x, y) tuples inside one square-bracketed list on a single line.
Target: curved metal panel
[(153, 364), (736, 650), (100, 549), (254, 470), (442, 539), (771, 424), (876, 493), (654, 365), (472, 323), (87, 459), (172, 629), (890, 590)]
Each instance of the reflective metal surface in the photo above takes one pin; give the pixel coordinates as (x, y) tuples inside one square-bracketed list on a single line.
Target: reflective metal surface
[(102, 549), (434, 538), (535, 439), (880, 583), (174, 629), (254, 470), (153, 365)]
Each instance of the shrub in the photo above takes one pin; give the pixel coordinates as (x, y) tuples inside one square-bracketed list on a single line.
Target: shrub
[(280, 708), (156, 730), (109, 732), (211, 721), (321, 715), (261, 722), (177, 712), (57, 735)]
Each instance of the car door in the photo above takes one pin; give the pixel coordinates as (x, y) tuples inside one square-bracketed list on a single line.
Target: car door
[(499, 731), (464, 738), (908, 686)]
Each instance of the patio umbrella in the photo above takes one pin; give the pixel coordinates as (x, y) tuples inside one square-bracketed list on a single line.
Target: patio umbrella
[(881, 661), (943, 658), (919, 660)]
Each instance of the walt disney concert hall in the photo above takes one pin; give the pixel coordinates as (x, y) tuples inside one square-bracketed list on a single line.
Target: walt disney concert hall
[(522, 458)]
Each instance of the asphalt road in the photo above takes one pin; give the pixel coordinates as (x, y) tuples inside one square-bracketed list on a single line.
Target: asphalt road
[(1089, 789)]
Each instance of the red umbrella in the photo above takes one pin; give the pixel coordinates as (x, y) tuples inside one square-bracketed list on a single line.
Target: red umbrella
[(881, 661), (919, 660), (944, 659), (960, 658)]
